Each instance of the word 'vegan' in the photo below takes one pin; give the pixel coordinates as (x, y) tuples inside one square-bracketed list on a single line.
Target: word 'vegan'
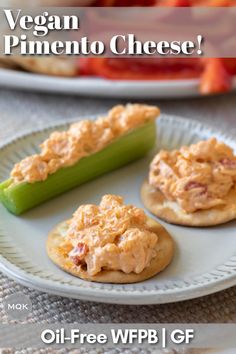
[(119, 45)]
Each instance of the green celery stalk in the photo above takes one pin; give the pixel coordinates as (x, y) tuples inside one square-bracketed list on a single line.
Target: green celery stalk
[(18, 198)]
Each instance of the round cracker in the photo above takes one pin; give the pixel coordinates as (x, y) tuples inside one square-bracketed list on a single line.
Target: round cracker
[(157, 204), (165, 252)]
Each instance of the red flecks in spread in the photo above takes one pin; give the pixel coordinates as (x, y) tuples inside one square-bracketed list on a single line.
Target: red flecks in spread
[(78, 253), (197, 177), (228, 163), (118, 238), (195, 185)]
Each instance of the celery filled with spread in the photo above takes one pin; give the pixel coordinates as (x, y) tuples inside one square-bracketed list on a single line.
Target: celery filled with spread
[(85, 151)]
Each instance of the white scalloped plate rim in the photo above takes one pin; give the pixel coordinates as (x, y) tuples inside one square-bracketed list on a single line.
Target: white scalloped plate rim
[(220, 278), (89, 86)]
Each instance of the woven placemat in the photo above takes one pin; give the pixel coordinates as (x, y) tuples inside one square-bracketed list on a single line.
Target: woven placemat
[(217, 308), (19, 112)]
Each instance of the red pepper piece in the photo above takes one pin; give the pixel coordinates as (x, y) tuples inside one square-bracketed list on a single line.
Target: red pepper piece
[(215, 78), (78, 253)]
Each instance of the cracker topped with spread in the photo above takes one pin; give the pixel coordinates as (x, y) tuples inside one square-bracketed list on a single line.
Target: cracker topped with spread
[(110, 242), (194, 185)]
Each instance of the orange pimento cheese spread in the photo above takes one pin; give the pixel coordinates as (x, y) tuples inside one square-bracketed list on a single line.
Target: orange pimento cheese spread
[(110, 236), (196, 177), (65, 148)]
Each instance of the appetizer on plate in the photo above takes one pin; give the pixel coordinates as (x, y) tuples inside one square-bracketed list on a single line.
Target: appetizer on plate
[(85, 151), (194, 186), (215, 74), (110, 243)]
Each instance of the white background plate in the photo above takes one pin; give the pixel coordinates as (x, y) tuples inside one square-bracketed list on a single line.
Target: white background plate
[(100, 87), (205, 258)]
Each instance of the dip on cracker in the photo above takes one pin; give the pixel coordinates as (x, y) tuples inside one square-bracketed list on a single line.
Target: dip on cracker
[(195, 185), (111, 243)]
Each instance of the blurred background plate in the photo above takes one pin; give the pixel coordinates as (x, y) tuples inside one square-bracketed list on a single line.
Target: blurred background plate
[(87, 86)]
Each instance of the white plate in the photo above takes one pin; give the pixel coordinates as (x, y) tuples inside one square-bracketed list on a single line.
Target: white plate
[(101, 87), (205, 258)]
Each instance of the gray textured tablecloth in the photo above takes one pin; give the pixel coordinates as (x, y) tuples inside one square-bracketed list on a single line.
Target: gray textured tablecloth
[(19, 112)]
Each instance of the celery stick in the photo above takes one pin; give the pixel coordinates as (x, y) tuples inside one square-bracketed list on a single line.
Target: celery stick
[(18, 198)]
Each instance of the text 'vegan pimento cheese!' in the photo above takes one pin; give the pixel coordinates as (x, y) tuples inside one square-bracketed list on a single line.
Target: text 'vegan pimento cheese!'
[(110, 236), (196, 177), (86, 137)]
